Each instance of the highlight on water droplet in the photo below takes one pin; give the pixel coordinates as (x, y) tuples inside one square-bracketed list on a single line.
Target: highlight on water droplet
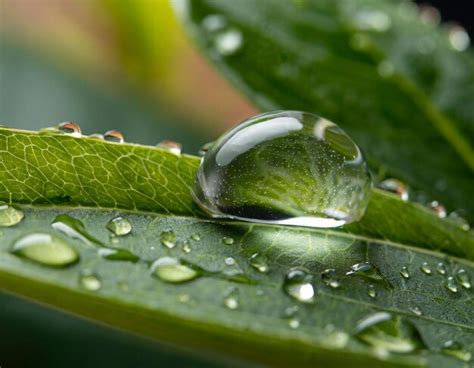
[(10, 215), (45, 249), (231, 299), (463, 278), (120, 226), (395, 186), (114, 136), (371, 291), (187, 247), (451, 284), (294, 323), (227, 240), (438, 208), (416, 310), (456, 350), (171, 146), (259, 262), (298, 284), (458, 38), (71, 128), (404, 272), (286, 167), (330, 278), (172, 270), (90, 281), (168, 238), (425, 268)]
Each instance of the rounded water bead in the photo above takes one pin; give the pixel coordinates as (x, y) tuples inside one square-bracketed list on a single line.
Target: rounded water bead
[(441, 268), (173, 271), (451, 284), (120, 226), (168, 238), (114, 136), (425, 268), (286, 167), (10, 215), (456, 350), (172, 146), (463, 278), (298, 285), (70, 127)]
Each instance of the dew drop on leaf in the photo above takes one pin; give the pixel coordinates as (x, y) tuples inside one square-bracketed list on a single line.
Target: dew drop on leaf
[(227, 240), (172, 270), (45, 249), (114, 136), (187, 247), (371, 291), (298, 285), (120, 226), (196, 237), (287, 167), (231, 299), (71, 128), (10, 215), (451, 284), (456, 350), (168, 238), (171, 146), (438, 208), (463, 278), (441, 268), (425, 268), (395, 186), (416, 310), (117, 254), (259, 262), (90, 281), (229, 261), (294, 323), (329, 277), (404, 272)]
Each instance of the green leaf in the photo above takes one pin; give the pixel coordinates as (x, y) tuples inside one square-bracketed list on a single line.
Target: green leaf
[(50, 174), (394, 83)]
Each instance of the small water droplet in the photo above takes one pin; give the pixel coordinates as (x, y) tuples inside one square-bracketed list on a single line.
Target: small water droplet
[(463, 278), (416, 310), (10, 215), (184, 298), (171, 146), (385, 69), (214, 22), (441, 268), (426, 268), (458, 38), (97, 136), (429, 14), (298, 285), (231, 300), (114, 239), (227, 240), (395, 186), (173, 270), (114, 136), (438, 208), (259, 262), (451, 284), (196, 237), (252, 173), (404, 272), (388, 333), (168, 238), (371, 291), (120, 226), (90, 282), (330, 278), (229, 261), (228, 42), (456, 350), (294, 323), (204, 148), (45, 249), (370, 272), (71, 128), (372, 20), (186, 247)]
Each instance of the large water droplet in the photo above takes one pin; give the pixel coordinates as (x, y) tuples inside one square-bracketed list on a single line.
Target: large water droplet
[(388, 333), (9, 215), (120, 226), (259, 262), (171, 146), (71, 128), (168, 238), (173, 270), (451, 284), (229, 261), (298, 285), (330, 278), (463, 278), (456, 350), (114, 136), (45, 249), (395, 186), (286, 167), (196, 237)]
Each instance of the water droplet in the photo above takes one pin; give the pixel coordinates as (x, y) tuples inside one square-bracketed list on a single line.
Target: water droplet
[(388, 333), (231, 300), (463, 278), (114, 136), (97, 136), (228, 42), (184, 298), (204, 148), (9, 215), (229, 261), (259, 262), (168, 238), (458, 38), (456, 350), (286, 167), (385, 69), (451, 284), (438, 208), (441, 268), (330, 278), (90, 282), (120, 226), (45, 249), (371, 291), (173, 270), (186, 247), (370, 272), (404, 272), (196, 237), (294, 323), (429, 14), (171, 146), (372, 20), (227, 240), (298, 285), (395, 186), (71, 128), (416, 310), (425, 268)]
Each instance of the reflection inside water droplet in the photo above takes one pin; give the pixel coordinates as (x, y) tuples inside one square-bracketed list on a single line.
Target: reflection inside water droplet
[(168, 238), (120, 226), (114, 136), (71, 128)]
